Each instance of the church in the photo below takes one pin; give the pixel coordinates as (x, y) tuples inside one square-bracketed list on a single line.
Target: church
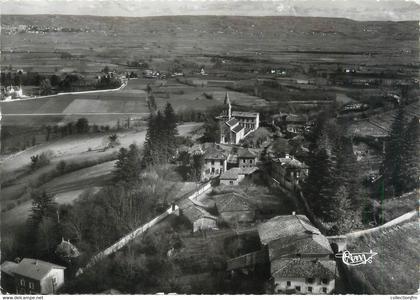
[(236, 125)]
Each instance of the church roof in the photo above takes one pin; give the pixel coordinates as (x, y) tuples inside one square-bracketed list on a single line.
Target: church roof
[(237, 128)]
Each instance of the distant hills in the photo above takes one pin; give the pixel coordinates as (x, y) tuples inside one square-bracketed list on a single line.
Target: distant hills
[(392, 10)]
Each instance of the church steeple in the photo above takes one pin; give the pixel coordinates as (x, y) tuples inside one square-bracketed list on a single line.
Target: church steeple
[(227, 102)]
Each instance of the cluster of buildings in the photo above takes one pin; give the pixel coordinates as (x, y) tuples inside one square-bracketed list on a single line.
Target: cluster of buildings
[(297, 256), (12, 92)]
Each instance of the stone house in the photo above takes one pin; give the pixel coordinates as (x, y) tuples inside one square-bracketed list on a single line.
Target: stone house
[(301, 258), (289, 172), (199, 218), (215, 162), (34, 276)]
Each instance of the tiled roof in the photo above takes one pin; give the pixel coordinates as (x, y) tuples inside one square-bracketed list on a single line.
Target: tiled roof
[(248, 170), (231, 174), (246, 153), (194, 213), (244, 114), (308, 244), (303, 268), (232, 122), (231, 202), (237, 128), (35, 268), (285, 226)]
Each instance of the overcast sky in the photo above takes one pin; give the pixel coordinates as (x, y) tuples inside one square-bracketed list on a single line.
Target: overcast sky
[(395, 10)]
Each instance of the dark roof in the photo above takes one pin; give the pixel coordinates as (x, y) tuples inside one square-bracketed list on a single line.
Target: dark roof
[(246, 153), (285, 226), (232, 122), (35, 268), (232, 202), (8, 267), (303, 268), (245, 114), (308, 244), (237, 128)]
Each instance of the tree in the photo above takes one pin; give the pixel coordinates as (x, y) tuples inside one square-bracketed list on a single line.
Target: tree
[(43, 206), (170, 131), (45, 87), (82, 125), (128, 165), (392, 164), (411, 156), (197, 167)]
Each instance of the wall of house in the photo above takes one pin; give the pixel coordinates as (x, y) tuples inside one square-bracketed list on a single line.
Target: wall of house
[(214, 167), (229, 181), (280, 285), (25, 287), (47, 282), (246, 162), (204, 224)]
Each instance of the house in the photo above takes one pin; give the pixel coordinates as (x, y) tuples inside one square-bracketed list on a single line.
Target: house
[(199, 218), (234, 176), (289, 171), (234, 208), (215, 162), (290, 124), (246, 159), (236, 125), (34, 276), (301, 258)]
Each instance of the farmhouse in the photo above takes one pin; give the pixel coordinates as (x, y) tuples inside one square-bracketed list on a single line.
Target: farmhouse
[(215, 162), (301, 258), (33, 276), (246, 159), (234, 208), (235, 125), (289, 171), (234, 176), (199, 218)]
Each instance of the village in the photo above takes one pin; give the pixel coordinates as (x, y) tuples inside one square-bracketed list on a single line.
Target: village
[(221, 176)]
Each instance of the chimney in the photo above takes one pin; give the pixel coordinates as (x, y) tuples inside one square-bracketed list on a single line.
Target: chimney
[(293, 213), (287, 155)]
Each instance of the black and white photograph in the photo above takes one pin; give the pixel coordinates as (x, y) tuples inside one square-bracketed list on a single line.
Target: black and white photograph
[(210, 147)]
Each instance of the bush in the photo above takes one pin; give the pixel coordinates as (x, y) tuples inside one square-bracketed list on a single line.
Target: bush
[(42, 160)]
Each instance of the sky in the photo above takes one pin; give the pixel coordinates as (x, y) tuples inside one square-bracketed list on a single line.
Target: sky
[(394, 10)]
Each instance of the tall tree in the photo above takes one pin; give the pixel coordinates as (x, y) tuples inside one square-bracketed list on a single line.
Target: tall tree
[(411, 156), (392, 164), (170, 130), (43, 206)]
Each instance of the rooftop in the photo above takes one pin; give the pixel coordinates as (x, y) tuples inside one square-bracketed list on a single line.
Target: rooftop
[(232, 202), (246, 153), (232, 122), (285, 226), (35, 268), (290, 161), (231, 174), (237, 128), (215, 153), (8, 267), (194, 213), (245, 114), (303, 268)]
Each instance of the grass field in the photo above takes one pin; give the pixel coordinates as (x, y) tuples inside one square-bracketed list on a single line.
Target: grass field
[(394, 270)]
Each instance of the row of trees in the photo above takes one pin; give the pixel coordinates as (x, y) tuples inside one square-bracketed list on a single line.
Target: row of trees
[(401, 164), (333, 187), (160, 145)]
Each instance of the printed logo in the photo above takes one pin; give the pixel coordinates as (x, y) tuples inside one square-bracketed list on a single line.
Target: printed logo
[(355, 259)]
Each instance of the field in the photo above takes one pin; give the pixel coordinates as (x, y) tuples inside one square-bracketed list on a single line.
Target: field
[(391, 271)]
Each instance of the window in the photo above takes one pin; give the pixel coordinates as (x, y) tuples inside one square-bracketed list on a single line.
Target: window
[(54, 281), (288, 283), (244, 160), (31, 285), (22, 282), (297, 288), (310, 280), (212, 162), (231, 182), (324, 280), (309, 289), (324, 290)]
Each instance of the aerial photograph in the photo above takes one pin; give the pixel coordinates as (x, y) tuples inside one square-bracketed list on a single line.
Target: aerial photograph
[(217, 147)]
